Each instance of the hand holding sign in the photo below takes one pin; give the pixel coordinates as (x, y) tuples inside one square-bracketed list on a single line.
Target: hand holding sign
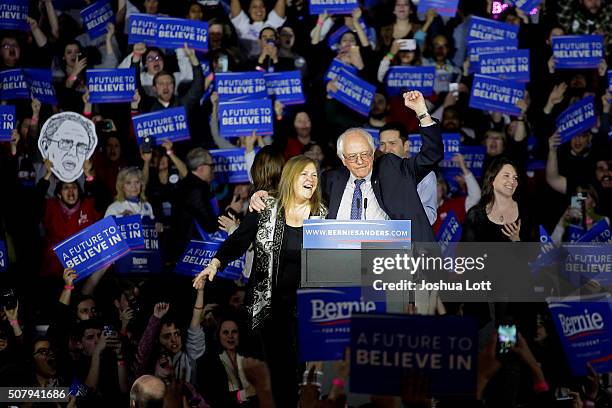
[(69, 276), (554, 141), (208, 273)]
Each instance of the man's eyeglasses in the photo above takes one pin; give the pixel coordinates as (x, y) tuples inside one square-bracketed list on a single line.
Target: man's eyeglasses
[(67, 144), (152, 58), (9, 46), (44, 352), (364, 156)]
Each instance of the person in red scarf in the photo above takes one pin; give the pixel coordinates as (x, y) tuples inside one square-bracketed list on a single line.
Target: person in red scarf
[(68, 212)]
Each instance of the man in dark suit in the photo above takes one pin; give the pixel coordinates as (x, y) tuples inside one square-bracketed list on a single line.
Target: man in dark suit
[(385, 188)]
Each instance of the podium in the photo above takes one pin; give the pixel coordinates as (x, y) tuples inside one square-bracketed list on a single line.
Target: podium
[(340, 253)]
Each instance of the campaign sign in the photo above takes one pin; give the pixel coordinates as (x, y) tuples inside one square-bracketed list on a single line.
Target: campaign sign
[(130, 227), (333, 40), (111, 85), (585, 330), (526, 5), (142, 28), (473, 156), (13, 15), (197, 256), (3, 257), (146, 259), (336, 234), (497, 95), (164, 124), (578, 51), (507, 65), (92, 248), (385, 347), (445, 8), (574, 232), (243, 118), (375, 133), (7, 122), (452, 144), (40, 82), (230, 166), (486, 29), (599, 232), (175, 32), (96, 17), (14, 85), (324, 317), (402, 78), (354, 92), (449, 232), (576, 119), (585, 262), (481, 47), (317, 7), (240, 86), (286, 86), (335, 67)]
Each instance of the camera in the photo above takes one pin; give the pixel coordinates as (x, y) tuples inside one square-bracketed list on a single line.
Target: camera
[(8, 299)]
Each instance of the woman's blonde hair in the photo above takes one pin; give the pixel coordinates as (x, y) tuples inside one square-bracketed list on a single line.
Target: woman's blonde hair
[(292, 170), (122, 179)]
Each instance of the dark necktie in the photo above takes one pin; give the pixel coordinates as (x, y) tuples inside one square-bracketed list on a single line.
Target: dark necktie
[(357, 200)]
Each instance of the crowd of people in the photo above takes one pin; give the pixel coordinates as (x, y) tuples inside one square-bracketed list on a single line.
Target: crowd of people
[(119, 339)]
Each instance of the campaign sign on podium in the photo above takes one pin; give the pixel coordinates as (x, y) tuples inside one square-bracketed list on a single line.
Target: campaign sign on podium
[(357, 234)]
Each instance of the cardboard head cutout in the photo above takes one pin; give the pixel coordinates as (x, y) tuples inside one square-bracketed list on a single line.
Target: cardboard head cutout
[(67, 139)]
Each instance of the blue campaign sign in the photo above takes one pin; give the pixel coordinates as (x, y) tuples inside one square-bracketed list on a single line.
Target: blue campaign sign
[(449, 232), (578, 51), (130, 227), (402, 78), (92, 248), (473, 156), (452, 144), (497, 95), (576, 119), (385, 347), (285, 86), (317, 7), (174, 32), (486, 29), (585, 330), (445, 8), (230, 166), (526, 5), (478, 48), (599, 232), (96, 17), (324, 318), (375, 133), (7, 122), (14, 85), (164, 124), (197, 256), (354, 92), (240, 86), (337, 234), (3, 257), (335, 67), (111, 85), (507, 65), (142, 28), (333, 40), (40, 82), (588, 262), (13, 15), (146, 259), (243, 118), (574, 232)]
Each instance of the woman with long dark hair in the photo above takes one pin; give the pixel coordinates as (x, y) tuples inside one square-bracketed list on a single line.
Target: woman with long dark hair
[(498, 217)]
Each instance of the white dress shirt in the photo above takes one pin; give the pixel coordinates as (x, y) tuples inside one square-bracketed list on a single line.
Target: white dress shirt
[(373, 210)]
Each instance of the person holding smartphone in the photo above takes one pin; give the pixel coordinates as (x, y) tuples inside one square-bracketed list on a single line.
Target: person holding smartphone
[(269, 59), (581, 212)]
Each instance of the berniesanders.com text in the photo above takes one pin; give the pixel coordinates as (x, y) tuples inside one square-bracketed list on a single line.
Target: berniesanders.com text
[(405, 262), (358, 233)]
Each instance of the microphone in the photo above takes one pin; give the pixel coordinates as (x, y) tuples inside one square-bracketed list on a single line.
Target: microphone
[(365, 208)]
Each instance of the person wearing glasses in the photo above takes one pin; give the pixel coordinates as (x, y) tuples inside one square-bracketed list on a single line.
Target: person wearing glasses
[(196, 208)]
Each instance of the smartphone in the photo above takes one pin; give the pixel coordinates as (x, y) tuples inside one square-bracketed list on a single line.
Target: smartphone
[(506, 338), (576, 209), (222, 63), (563, 394), (407, 44), (8, 299), (453, 88), (109, 331), (147, 145), (106, 125)]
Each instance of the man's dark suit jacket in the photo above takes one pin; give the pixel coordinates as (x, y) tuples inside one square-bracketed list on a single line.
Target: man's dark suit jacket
[(394, 181)]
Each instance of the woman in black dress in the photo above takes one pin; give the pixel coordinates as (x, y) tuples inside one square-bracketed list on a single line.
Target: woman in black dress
[(276, 233)]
